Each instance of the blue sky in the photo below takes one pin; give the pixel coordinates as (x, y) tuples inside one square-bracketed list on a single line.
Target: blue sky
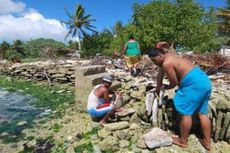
[(106, 12), (29, 19)]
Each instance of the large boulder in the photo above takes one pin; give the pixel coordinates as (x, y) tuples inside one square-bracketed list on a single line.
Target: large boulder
[(157, 138)]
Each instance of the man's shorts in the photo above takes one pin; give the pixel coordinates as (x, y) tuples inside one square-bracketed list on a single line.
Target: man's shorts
[(193, 93), (101, 110), (131, 60)]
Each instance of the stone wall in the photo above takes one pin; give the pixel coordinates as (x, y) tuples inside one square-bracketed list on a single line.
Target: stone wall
[(66, 72), (52, 71)]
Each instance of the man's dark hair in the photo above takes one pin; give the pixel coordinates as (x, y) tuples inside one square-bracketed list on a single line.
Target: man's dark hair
[(131, 37), (155, 51)]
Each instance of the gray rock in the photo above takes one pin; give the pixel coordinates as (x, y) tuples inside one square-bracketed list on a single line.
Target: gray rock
[(95, 124), (145, 151), (227, 135), (125, 118), (157, 138), (122, 135), (225, 126), (134, 126), (119, 101), (104, 133), (123, 143), (223, 105), (218, 126), (109, 143), (117, 125), (141, 143), (136, 134), (125, 112), (134, 118), (138, 94), (135, 149), (140, 109), (96, 149), (127, 98)]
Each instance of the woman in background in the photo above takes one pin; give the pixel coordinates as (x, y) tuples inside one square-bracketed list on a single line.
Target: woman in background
[(132, 54)]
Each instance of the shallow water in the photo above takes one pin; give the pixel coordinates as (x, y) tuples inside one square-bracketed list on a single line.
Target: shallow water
[(17, 112), (16, 106)]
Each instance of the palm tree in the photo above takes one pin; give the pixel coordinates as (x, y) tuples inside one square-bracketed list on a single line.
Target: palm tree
[(224, 19), (79, 24)]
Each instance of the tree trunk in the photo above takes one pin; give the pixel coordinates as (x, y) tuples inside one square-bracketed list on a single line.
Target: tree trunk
[(79, 42), (79, 45)]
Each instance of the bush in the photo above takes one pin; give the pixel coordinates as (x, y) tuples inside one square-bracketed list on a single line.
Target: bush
[(13, 56)]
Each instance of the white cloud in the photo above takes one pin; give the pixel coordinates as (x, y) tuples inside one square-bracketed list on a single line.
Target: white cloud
[(30, 25), (9, 6)]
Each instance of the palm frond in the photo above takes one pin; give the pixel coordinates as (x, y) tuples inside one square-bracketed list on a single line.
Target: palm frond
[(79, 11), (68, 13), (74, 32), (85, 34), (92, 30), (69, 32), (90, 26)]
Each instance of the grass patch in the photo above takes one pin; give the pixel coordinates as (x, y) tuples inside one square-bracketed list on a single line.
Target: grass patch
[(56, 127), (87, 146), (84, 147), (88, 135)]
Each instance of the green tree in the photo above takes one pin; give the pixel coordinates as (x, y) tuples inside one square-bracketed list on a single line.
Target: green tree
[(119, 41), (72, 44), (98, 43), (155, 21), (223, 15), (3, 48), (183, 22), (117, 28), (18, 47), (16, 51), (35, 48), (79, 23)]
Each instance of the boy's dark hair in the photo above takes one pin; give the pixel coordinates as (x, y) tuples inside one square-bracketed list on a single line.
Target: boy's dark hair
[(155, 51), (131, 37)]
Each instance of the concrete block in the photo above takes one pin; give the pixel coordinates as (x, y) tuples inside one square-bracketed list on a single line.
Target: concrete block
[(89, 70)]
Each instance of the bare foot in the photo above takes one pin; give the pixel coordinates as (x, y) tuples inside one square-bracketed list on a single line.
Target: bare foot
[(205, 144), (102, 123), (178, 142)]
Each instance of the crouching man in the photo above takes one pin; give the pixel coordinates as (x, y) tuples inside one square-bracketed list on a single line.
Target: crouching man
[(99, 106)]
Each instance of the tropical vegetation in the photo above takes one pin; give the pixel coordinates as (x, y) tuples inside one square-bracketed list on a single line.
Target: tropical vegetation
[(184, 23), (223, 15)]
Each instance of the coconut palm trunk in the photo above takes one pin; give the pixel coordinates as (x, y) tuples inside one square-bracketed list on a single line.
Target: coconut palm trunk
[(79, 42)]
